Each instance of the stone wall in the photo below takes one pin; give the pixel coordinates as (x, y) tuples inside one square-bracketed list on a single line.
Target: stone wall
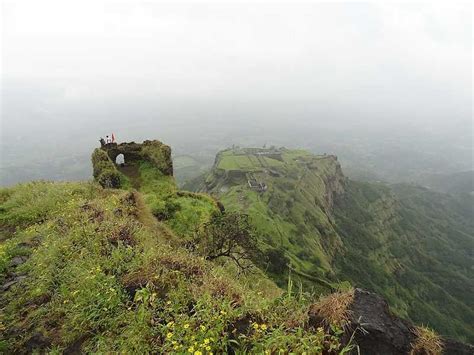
[(155, 152), (103, 159)]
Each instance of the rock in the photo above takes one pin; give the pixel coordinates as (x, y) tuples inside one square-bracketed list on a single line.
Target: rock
[(18, 260), (13, 281), (454, 347), (106, 169), (379, 331), (37, 341)]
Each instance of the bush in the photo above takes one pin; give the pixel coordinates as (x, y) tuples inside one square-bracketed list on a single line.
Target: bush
[(231, 235), (165, 209), (277, 261), (104, 170), (109, 178)]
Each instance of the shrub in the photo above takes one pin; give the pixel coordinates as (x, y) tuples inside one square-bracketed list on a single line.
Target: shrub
[(104, 170), (109, 178), (231, 235)]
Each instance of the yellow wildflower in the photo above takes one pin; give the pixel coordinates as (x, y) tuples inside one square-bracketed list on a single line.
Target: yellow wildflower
[(186, 326), (197, 352), (169, 335), (263, 326), (223, 312), (208, 348), (191, 349), (255, 326), (203, 328), (206, 341)]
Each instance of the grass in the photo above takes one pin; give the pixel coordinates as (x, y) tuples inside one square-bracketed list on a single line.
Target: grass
[(290, 218), (334, 308), (182, 212), (237, 162), (426, 342), (103, 276), (383, 238)]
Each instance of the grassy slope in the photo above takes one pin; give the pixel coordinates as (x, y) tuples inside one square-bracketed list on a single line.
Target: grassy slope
[(103, 275), (408, 244)]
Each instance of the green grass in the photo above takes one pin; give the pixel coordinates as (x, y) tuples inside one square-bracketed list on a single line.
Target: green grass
[(405, 243), (102, 278), (246, 162), (237, 162)]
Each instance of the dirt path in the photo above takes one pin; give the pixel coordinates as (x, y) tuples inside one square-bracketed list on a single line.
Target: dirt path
[(131, 171)]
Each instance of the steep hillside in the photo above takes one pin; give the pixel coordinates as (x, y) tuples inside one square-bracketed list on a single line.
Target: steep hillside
[(292, 212), (414, 247), (407, 243)]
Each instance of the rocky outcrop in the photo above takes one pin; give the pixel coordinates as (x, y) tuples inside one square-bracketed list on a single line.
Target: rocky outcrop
[(153, 151), (334, 184), (378, 331), (104, 160)]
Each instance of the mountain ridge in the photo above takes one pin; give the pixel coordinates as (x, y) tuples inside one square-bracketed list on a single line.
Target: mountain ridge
[(364, 232), (116, 265)]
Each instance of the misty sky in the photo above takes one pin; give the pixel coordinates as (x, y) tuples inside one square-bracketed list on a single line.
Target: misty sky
[(68, 66)]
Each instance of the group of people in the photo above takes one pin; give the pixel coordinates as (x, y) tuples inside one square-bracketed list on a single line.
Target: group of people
[(107, 140)]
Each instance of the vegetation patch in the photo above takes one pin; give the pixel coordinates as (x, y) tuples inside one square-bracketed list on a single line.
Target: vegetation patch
[(427, 342), (333, 309)]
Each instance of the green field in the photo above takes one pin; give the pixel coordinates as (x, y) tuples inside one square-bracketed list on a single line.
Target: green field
[(251, 162)]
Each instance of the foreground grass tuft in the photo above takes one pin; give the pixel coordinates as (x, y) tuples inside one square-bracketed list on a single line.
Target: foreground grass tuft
[(427, 342), (333, 309)]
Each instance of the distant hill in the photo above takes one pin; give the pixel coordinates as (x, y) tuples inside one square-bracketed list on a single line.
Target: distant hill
[(410, 244), (456, 183)]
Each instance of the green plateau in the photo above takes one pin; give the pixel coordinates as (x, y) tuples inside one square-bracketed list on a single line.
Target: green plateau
[(408, 243)]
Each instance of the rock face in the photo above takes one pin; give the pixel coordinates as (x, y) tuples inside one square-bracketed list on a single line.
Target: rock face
[(379, 331), (105, 169), (154, 151), (334, 183)]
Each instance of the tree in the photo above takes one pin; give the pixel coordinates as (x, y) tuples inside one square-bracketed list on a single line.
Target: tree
[(231, 235)]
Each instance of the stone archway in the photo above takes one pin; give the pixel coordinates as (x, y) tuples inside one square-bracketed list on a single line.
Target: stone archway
[(120, 159)]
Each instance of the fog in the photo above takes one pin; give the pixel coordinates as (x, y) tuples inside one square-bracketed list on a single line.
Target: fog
[(387, 87)]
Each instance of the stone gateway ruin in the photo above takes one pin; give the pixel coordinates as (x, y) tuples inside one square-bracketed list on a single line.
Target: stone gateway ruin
[(107, 172)]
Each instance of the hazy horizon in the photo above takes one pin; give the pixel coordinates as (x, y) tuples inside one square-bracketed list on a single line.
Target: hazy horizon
[(369, 82)]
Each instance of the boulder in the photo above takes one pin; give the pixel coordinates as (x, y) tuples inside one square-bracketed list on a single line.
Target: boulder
[(376, 330)]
